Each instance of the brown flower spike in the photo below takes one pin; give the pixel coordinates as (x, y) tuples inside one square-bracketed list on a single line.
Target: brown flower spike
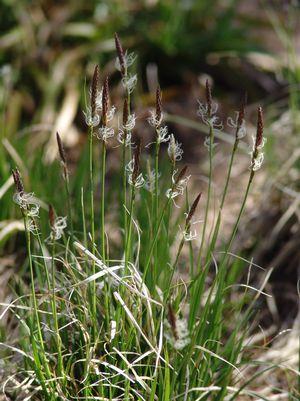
[(192, 210), (241, 115), (18, 180), (181, 174), (136, 158), (121, 55), (95, 89), (260, 128), (105, 99), (61, 149), (208, 98), (158, 105)]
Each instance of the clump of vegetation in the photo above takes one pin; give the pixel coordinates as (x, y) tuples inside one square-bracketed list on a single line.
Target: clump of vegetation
[(158, 316)]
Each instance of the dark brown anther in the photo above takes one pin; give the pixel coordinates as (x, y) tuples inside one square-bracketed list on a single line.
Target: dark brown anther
[(18, 180), (172, 321), (105, 99), (158, 105), (94, 90), (51, 215), (61, 149), (260, 128), (136, 159), (241, 115), (181, 174), (208, 98), (120, 54), (193, 209)]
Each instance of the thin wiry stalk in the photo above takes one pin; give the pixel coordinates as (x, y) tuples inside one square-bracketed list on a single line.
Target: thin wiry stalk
[(103, 170), (55, 318), (225, 190), (207, 206), (37, 324), (67, 184), (93, 284)]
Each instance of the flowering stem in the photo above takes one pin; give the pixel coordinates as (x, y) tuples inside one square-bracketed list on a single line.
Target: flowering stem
[(103, 168), (37, 354), (240, 213), (124, 189), (211, 143), (54, 311), (128, 236), (218, 223), (157, 148), (93, 284), (68, 193), (157, 229)]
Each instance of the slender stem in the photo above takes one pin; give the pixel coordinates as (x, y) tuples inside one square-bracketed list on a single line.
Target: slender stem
[(103, 168), (93, 284), (211, 146), (157, 148), (128, 235), (69, 203), (218, 223), (124, 183), (150, 252), (36, 314), (240, 214), (54, 311)]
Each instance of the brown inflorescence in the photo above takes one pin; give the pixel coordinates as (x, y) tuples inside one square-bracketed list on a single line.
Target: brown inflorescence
[(121, 55), (94, 90), (61, 149), (158, 105), (260, 128), (208, 98), (181, 174), (193, 209), (105, 99), (18, 180)]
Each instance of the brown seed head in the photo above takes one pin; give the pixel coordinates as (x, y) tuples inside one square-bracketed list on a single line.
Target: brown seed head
[(136, 158), (172, 321), (95, 89), (158, 104), (18, 180), (241, 115), (260, 128), (51, 214), (120, 53), (193, 209), (105, 99), (181, 174), (125, 112), (208, 98), (61, 149)]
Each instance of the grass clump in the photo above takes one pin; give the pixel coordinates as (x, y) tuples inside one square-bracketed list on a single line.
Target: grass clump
[(157, 317)]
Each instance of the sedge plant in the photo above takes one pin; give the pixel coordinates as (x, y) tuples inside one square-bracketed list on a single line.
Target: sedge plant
[(151, 319)]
